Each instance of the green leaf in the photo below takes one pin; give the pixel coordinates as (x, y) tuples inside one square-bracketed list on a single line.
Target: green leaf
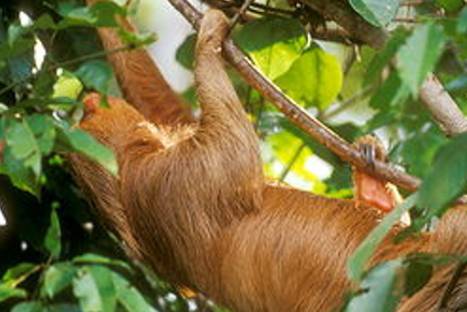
[(416, 276), (462, 21), (447, 178), (273, 44), (17, 272), (52, 240), (42, 126), (392, 93), (7, 292), (419, 55), (379, 13), (186, 52), (24, 146), (91, 258), (129, 297), (450, 5), (95, 289), (381, 289), (419, 151), (95, 75), (101, 14), (314, 79), (57, 277), (67, 85), (136, 39), (80, 141), (31, 306), (381, 59), (357, 262)]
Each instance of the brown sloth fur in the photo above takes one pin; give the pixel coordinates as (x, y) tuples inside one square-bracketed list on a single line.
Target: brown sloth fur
[(191, 201)]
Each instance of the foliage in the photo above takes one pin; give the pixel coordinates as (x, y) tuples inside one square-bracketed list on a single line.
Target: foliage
[(60, 259)]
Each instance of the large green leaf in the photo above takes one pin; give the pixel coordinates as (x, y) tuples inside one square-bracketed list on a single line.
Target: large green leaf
[(42, 126), (314, 79), (57, 277), (377, 12), (273, 44), (7, 292), (129, 297), (24, 146), (357, 262), (381, 289), (447, 178), (419, 55), (80, 141), (95, 289), (382, 58), (95, 75)]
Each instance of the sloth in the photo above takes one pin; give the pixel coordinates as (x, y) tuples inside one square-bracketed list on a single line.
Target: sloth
[(190, 199)]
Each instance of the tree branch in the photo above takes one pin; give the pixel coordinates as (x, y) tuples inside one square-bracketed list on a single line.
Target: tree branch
[(299, 116), (444, 110)]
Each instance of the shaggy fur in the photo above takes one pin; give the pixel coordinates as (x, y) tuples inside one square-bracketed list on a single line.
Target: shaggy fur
[(191, 202)]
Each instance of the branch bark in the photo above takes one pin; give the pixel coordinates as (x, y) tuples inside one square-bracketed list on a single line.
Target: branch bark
[(444, 110)]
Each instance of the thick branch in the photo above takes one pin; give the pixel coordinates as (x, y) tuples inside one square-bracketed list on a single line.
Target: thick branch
[(443, 108)]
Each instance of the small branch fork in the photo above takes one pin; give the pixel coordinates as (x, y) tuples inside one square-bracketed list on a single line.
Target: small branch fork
[(297, 114)]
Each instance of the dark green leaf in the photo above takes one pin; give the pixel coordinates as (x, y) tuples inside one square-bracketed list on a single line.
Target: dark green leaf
[(19, 270), (42, 127), (426, 43), (7, 292), (392, 93), (52, 240), (382, 58), (447, 177), (95, 75), (416, 276), (57, 277), (186, 52)]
